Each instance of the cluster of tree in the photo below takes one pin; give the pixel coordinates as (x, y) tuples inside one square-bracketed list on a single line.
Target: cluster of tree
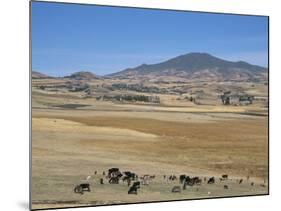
[(52, 87), (79, 88), (70, 87), (137, 88), (227, 98), (131, 98)]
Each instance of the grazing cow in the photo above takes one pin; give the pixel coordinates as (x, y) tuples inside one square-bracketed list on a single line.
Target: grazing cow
[(172, 177), (127, 173), (137, 184), (125, 178), (146, 176), (82, 187), (114, 180), (224, 176), (188, 181), (133, 176), (211, 180), (145, 179), (129, 176), (196, 180), (134, 188), (225, 187), (192, 181), (176, 189), (101, 181), (152, 177), (182, 178), (240, 181), (113, 172)]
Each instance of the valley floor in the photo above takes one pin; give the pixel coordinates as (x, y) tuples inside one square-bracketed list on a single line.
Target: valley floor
[(69, 144)]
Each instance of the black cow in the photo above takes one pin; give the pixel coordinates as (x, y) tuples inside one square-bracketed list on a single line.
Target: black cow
[(211, 180), (113, 172), (126, 178), (224, 176), (134, 188), (188, 181), (137, 184), (114, 180), (182, 178), (192, 181), (127, 173), (82, 187), (172, 177), (198, 181), (129, 176)]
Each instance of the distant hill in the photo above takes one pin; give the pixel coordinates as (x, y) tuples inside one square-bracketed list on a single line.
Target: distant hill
[(82, 75), (197, 66), (38, 75)]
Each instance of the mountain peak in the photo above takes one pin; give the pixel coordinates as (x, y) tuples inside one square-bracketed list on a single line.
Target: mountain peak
[(39, 75), (194, 63), (82, 75)]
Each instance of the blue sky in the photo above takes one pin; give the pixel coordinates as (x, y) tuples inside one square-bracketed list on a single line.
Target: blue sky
[(67, 38)]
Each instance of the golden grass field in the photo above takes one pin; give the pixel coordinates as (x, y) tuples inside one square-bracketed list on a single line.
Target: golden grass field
[(69, 144)]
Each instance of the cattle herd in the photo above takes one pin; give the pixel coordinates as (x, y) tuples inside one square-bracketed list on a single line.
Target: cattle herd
[(134, 182)]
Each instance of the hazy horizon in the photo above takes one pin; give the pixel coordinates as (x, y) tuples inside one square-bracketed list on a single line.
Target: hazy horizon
[(88, 70), (67, 38)]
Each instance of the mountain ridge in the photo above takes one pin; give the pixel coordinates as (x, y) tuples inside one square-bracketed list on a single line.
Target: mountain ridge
[(193, 63), (191, 66), (80, 75), (39, 75)]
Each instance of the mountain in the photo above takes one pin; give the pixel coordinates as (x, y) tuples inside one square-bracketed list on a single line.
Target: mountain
[(197, 66), (38, 75), (82, 75)]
